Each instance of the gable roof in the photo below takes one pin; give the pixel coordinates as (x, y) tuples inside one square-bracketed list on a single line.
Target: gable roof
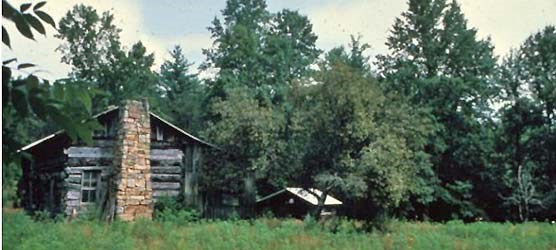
[(111, 109), (305, 195)]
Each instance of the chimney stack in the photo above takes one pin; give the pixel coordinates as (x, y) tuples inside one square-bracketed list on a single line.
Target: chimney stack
[(132, 167)]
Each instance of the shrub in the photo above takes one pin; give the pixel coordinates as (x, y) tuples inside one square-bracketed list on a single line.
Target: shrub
[(168, 209)]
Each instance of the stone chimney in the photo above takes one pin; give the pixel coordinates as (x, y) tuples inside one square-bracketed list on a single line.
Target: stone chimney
[(132, 167)]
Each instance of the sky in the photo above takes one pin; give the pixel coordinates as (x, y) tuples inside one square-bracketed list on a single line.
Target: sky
[(161, 24)]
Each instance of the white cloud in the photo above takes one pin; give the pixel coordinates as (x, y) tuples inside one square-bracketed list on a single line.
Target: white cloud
[(336, 21), (507, 22), (128, 17)]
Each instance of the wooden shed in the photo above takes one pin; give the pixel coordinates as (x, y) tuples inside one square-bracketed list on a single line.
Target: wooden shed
[(137, 158), (296, 202)]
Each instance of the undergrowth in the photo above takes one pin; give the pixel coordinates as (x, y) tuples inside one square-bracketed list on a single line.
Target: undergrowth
[(22, 232)]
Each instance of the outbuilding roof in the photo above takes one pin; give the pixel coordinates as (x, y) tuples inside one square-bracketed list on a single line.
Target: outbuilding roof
[(306, 195)]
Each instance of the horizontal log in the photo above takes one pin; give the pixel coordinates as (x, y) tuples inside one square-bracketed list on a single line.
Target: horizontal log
[(80, 169), (75, 162), (166, 163), (166, 154), (166, 177), (73, 195), (165, 170), (166, 185), (89, 152), (74, 178), (72, 186), (73, 203), (162, 193)]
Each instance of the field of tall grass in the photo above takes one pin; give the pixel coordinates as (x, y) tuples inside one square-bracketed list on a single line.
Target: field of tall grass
[(19, 231)]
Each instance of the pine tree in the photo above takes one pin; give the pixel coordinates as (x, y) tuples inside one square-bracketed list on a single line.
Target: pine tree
[(182, 92)]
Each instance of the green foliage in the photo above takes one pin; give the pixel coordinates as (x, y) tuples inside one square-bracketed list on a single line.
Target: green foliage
[(170, 210), (20, 232), (182, 92), (438, 63), (29, 102), (526, 134), (245, 131), (358, 144), (258, 49), (24, 20), (91, 45)]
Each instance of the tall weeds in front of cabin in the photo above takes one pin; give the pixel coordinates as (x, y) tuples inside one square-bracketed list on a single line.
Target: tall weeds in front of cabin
[(22, 232)]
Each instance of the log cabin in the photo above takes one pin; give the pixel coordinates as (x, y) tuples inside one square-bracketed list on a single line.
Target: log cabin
[(135, 159)]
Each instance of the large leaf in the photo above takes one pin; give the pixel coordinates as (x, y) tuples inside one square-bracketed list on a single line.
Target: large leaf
[(8, 11), (9, 61), (84, 98), (6, 75), (25, 65), (85, 133), (22, 25), (45, 17), (35, 23), (32, 82), (5, 37), (19, 100), (39, 5), (24, 7), (36, 102), (58, 91)]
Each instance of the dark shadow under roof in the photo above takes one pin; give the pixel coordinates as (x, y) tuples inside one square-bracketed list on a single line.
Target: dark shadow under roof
[(113, 109)]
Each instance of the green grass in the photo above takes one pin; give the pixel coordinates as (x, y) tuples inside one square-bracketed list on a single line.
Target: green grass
[(21, 232)]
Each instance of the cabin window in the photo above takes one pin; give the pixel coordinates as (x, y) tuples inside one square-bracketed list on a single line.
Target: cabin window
[(89, 186)]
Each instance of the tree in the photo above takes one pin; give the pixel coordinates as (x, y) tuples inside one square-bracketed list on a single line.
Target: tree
[(263, 54), (524, 194), (438, 62), (92, 47), (357, 143), (525, 131), (183, 92), (89, 40), (538, 59), (246, 133), (259, 49)]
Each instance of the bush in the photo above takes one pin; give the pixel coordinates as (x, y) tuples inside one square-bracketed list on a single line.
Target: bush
[(168, 209)]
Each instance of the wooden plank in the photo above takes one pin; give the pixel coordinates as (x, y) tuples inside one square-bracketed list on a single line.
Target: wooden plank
[(89, 152), (75, 162), (74, 178), (162, 193), (72, 186), (166, 185), (166, 177), (73, 195), (166, 154), (80, 169), (165, 170), (166, 163)]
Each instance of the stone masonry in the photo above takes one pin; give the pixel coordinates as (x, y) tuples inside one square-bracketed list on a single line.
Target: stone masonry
[(134, 196)]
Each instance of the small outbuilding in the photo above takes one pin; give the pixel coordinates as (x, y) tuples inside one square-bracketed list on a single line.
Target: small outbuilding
[(296, 202)]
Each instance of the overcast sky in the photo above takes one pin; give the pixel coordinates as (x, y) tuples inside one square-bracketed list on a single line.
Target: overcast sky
[(162, 24)]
